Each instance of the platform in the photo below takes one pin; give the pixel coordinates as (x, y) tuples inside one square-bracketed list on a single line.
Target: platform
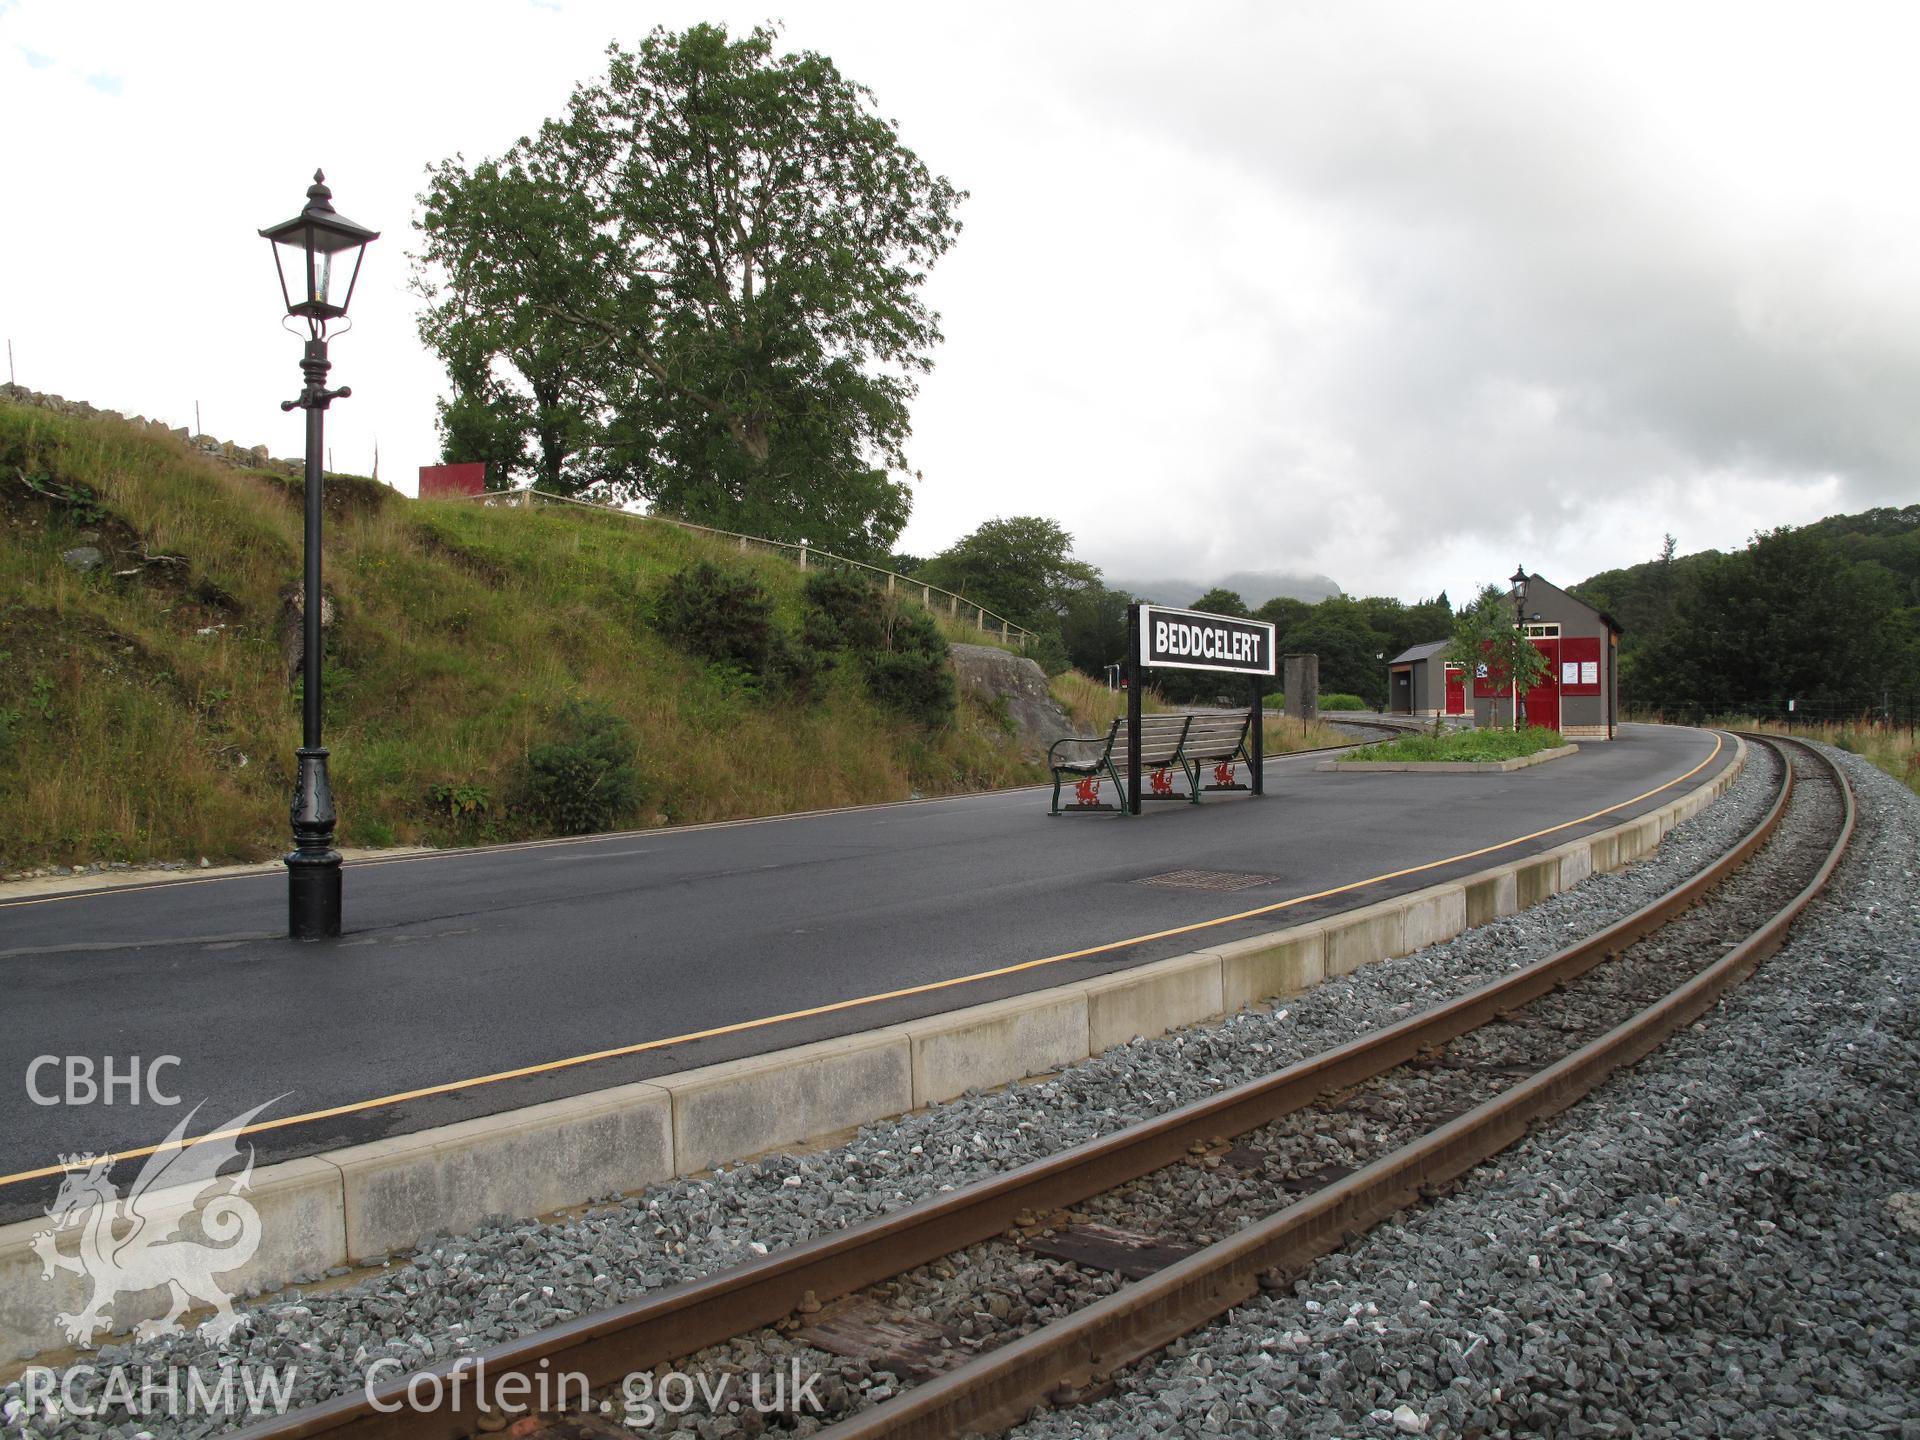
[(679, 948)]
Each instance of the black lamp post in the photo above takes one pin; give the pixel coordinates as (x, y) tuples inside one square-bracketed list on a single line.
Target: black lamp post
[(316, 246), (1520, 624)]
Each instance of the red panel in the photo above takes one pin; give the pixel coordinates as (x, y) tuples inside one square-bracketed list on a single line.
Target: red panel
[(442, 480), (1582, 651), (1542, 703)]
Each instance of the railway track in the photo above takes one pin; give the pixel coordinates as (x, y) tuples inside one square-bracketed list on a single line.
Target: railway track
[(1109, 1251)]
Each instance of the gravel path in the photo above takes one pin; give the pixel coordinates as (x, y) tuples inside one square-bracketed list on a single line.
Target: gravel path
[(457, 1295), (1722, 1241)]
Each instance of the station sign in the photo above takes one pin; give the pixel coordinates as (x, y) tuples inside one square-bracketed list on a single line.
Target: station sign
[(1194, 640)]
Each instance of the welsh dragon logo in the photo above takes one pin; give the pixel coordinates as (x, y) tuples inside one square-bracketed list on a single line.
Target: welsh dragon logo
[(145, 1241)]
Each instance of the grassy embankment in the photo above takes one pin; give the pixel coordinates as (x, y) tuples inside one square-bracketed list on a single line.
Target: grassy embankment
[(1462, 746), (147, 715)]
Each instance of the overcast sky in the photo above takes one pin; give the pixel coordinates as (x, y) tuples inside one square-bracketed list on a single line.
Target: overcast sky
[(1402, 294)]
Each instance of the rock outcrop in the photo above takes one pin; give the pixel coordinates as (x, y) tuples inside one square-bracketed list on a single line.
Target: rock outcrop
[(1013, 683)]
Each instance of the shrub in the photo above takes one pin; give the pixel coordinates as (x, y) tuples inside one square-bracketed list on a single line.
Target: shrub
[(844, 613), (727, 619), (912, 676), (1338, 701), (717, 615), (798, 668), (459, 800), (583, 780), (901, 650)]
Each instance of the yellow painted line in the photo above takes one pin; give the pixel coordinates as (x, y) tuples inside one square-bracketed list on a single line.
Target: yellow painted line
[(549, 1066)]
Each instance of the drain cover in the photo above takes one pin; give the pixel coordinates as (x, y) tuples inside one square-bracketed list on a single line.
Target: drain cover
[(1208, 880)]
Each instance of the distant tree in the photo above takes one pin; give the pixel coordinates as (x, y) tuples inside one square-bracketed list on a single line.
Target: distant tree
[(701, 286), (1021, 567), (1401, 626), (1093, 627), (1785, 619), (1349, 648), (1427, 620), (1484, 633), (1222, 602), (1285, 612)]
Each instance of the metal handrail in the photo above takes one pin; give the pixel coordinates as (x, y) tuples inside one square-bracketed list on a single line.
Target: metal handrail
[(1008, 630)]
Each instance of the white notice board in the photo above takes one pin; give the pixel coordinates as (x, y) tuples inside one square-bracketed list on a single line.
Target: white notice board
[(1570, 672), (1589, 672)]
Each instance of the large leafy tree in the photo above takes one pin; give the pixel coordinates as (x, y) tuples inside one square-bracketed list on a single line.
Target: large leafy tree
[(508, 246), (715, 258)]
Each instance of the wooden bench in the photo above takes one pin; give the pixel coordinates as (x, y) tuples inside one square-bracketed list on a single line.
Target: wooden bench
[(1190, 741)]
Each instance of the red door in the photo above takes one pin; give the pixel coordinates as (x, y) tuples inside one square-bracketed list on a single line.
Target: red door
[(1543, 701), (1456, 690)]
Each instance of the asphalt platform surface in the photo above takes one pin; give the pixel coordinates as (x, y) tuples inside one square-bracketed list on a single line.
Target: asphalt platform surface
[(463, 964)]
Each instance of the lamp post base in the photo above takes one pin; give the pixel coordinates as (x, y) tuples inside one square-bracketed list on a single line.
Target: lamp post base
[(313, 896), (313, 868)]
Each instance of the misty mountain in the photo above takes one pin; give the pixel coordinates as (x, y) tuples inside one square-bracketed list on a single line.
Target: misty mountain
[(1256, 587)]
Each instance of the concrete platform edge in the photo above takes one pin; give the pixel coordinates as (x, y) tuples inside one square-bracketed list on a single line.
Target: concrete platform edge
[(368, 1200)]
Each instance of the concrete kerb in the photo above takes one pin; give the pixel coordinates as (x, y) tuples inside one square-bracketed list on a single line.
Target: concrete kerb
[(1153, 999), (523, 1162), (1271, 967), (1491, 894), (748, 1106), (370, 1200), (301, 1224), (985, 1046)]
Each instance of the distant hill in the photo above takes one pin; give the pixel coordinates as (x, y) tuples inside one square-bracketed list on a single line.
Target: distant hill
[(1256, 587)]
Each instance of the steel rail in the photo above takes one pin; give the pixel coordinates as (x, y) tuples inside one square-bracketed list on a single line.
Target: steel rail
[(683, 1319), (1000, 1388)]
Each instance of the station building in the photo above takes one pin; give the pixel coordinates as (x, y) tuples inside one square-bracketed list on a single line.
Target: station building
[(1422, 681), (1579, 696)]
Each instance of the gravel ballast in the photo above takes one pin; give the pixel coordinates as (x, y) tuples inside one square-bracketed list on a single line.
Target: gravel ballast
[(458, 1295), (1720, 1241)]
